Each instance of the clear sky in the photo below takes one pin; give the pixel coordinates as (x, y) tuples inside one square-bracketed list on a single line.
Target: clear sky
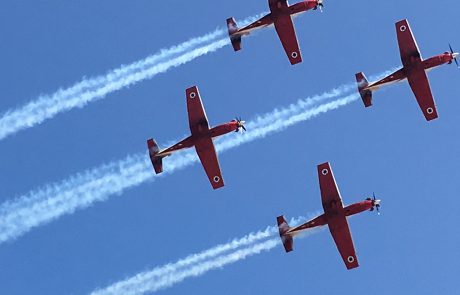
[(412, 165)]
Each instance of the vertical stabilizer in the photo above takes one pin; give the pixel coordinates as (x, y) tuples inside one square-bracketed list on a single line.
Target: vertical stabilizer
[(366, 94), (157, 161), (235, 38), (287, 240)]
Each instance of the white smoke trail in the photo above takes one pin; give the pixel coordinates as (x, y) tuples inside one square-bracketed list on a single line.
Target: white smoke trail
[(169, 279), (283, 123), (47, 107), (151, 281), (202, 268), (145, 277), (44, 205), (88, 90)]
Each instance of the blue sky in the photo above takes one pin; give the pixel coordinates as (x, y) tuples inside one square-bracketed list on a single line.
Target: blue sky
[(389, 149)]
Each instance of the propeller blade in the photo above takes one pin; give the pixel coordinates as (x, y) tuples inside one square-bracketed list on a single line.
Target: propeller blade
[(244, 128), (455, 58)]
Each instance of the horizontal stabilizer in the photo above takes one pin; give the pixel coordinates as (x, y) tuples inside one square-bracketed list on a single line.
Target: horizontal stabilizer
[(287, 240), (366, 94), (232, 33), (157, 161)]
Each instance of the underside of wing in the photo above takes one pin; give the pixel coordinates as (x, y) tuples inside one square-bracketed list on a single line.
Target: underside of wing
[(337, 222), (286, 32), (197, 118), (208, 157), (343, 240), (277, 4), (408, 47), (420, 85), (330, 195)]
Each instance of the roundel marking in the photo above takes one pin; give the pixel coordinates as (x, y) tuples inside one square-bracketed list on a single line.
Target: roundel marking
[(294, 54), (325, 172), (429, 110), (351, 259), (192, 95), (403, 28), (216, 179)]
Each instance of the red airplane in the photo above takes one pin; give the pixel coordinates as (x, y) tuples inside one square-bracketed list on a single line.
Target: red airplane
[(202, 138), (335, 216), (280, 15), (414, 70)]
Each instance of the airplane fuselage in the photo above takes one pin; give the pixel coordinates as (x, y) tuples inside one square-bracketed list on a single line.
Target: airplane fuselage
[(203, 132), (438, 60), (416, 63), (331, 211)]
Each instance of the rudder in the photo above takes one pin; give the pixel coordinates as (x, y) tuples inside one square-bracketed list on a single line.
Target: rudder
[(232, 33), (287, 240), (157, 161), (366, 94)]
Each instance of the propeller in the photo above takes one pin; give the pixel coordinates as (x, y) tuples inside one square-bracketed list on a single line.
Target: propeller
[(376, 203), (240, 123), (319, 5), (454, 56)]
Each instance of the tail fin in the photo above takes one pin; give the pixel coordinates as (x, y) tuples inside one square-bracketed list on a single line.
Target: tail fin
[(232, 30), (366, 94), (287, 240), (157, 161)]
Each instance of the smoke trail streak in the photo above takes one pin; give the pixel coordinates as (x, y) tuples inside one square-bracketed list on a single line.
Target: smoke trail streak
[(145, 277), (158, 272), (44, 205), (80, 191), (172, 278), (88, 90), (303, 104), (282, 123), (47, 107), (202, 268), (147, 282)]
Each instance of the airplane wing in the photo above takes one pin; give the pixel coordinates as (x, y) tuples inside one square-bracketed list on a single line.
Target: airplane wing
[(197, 118), (286, 32), (338, 224), (277, 4), (420, 85), (408, 47), (208, 157), (330, 195), (418, 80)]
